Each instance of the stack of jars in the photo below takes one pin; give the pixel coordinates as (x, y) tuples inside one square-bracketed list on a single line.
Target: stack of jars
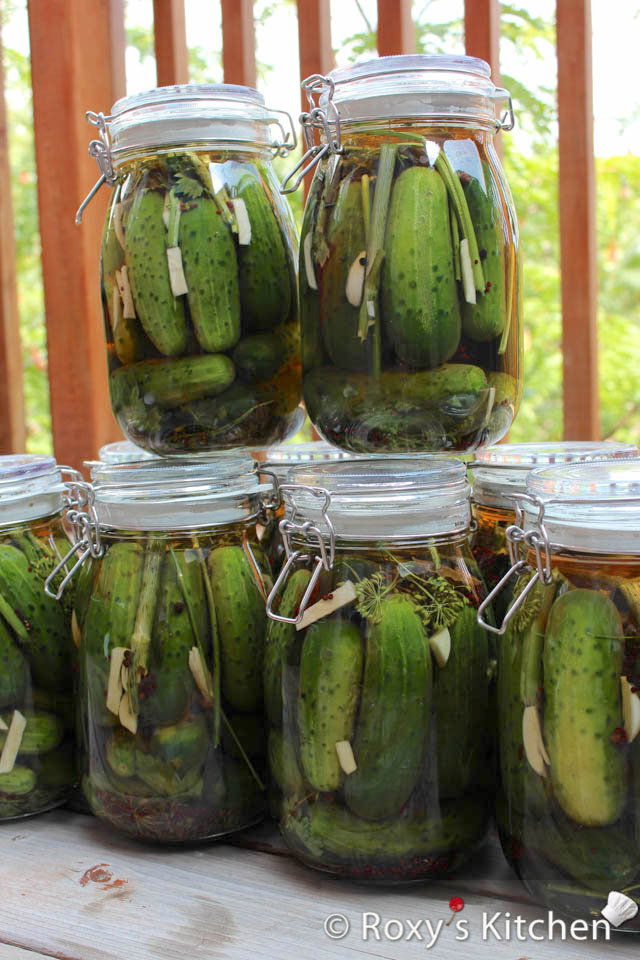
[(336, 590)]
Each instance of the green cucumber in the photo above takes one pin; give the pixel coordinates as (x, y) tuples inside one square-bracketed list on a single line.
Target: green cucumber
[(329, 831), (43, 732), (242, 621), (121, 751), (281, 640), (211, 271), (264, 270), (329, 687), (485, 319), (461, 702), (284, 767), (129, 341), (597, 857), (259, 357), (14, 670), (182, 745), (583, 661), (419, 295), (168, 383), (312, 347), (17, 783), (394, 716), (339, 317), (160, 313), (39, 622)]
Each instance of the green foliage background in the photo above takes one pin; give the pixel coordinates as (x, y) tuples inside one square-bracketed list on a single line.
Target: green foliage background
[(531, 167)]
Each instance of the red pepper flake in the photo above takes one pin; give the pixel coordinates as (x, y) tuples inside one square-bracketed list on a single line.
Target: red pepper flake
[(618, 736), (328, 596), (476, 261)]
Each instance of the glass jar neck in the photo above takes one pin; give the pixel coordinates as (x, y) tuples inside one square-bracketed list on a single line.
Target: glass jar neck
[(388, 545), (249, 152)]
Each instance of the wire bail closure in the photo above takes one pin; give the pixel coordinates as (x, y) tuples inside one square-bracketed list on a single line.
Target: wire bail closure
[(100, 150), (316, 119), (83, 519), (310, 533)]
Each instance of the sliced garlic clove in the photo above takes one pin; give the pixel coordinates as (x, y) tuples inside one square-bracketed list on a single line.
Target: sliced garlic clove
[(346, 758), (355, 279), (128, 719), (440, 644), (177, 278), (114, 685), (13, 741), (243, 221), (468, 282), (308, 263), (75, 630), (122, 279), (630, 709), (200, 674), (346, 593), (534, 746)]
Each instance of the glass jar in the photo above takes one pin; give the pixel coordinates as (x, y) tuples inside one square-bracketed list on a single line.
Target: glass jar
[(498, 475), (569, 692), (410, 286), (36, 649), (122, 452), (376, 672), (276, 463), (198, 271), (172, 621)]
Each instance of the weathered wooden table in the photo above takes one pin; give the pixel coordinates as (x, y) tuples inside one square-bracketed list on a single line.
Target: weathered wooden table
[(71, 889)]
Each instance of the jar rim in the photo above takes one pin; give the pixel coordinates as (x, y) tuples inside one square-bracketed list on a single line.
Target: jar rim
[(31, 486), (180, 93), (403, 63)]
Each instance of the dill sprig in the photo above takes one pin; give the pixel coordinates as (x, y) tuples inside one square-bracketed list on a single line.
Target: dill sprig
[(370, 593)]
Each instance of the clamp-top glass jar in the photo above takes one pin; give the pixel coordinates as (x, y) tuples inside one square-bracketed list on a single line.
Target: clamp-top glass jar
[(377, 673), (569, 693), (171, 613), (499, 474), (410, 262), (198, 270), (36, 709)]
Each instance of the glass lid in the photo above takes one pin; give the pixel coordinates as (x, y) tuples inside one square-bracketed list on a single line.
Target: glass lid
[(123, 451), (591, 506), (417, 85), (500, 472), (177, 494), (280, 458), (374, 498), (30, 486)]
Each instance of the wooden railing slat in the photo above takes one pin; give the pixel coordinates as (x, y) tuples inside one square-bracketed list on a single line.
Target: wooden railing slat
[(396, 31), (578, 248), (170, 39), (71, 47), (238, 42), (482, 33), (12, 425), (118, 44)]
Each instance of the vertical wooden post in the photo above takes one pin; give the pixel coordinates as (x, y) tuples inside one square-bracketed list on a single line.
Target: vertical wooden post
[(71, 58), (118, 42), (238, 42), (578, 249), (396, 32), (482, 33), (170, 38), (12, 427), (314, 40)]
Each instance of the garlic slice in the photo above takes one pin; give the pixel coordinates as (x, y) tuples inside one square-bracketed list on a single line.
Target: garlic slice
[(468, 282), (3, 725), (308, 263), (355, 279), (114, 685), (75, 630), (630, 710), (200, 674), (533, 743), (12, 743), (177, 278), (346, 593), (116, 308), (122, 279), (440, 644), (242, 219), (128, 720), (116, 223), (346, 758)]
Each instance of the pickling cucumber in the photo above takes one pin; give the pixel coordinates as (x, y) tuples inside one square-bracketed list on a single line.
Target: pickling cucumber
[(583, 657), (419, 295), (43, 732), (330, 679), (14, 670), (393, 721), (485, 319), (169, 383), (160, 313), (281, 638)]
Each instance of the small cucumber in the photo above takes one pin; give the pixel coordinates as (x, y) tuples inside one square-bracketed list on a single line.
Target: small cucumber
[(121, 753), (169, 383), (43, 732), (17, 783), (242, 621), (328, 832), (583, 657), (339, 317), (461, 701), (129, 341), (183, 745), (160, 313), (14, 670), (211, 271), (312, 346), (485, 319), (330, 681), (393, 721), (265, 273), (284, 767), (281, 640), (419, 295), (259, 357)]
